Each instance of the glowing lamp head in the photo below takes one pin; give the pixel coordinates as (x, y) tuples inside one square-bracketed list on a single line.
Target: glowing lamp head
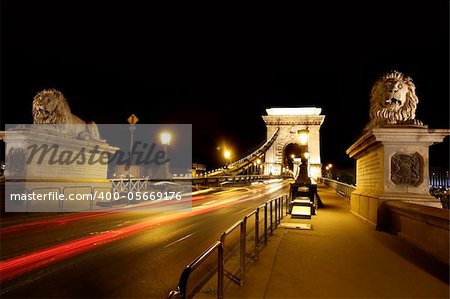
[(258, 161), (330, 165), (303, 137), (292, 156), (165, 138), (227, 154), (306, 155)]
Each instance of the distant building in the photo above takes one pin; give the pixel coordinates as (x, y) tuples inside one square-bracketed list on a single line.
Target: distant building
[(136, 171), (198, 169), (439, 178)]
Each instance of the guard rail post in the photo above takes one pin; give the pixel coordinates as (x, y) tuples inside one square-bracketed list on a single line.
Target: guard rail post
[(257, 233), (265, 223), (243, 240)]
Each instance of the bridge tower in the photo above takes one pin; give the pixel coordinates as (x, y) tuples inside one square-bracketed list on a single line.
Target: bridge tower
[(292, 123)]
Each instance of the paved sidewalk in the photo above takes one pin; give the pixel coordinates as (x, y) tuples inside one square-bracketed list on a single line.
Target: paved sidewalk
[(340, 257)]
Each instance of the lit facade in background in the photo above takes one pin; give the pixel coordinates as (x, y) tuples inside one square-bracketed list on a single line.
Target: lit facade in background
[(291, 122)]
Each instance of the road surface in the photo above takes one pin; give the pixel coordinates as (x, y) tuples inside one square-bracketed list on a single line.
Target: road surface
[(119, 255)]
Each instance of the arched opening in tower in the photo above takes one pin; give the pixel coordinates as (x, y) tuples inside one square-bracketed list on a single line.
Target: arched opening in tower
[(292, 151)]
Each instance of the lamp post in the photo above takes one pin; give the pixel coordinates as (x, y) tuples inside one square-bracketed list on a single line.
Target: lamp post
[(303, 177), (306, 156), (227, 155), (132, 120), (165, 138), (303, 136)]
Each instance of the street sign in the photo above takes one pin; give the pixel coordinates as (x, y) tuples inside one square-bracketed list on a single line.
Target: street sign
[(133, 119)]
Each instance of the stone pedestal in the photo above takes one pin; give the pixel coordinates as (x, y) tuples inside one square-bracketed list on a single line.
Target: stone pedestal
[(37, 154), (392, 164), (42, 162), (296, 167)]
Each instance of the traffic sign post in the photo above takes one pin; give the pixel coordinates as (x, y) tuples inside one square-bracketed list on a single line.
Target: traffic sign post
[(132, 120)]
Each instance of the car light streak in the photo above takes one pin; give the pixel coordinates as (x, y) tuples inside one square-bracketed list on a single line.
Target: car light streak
[(18, 265)]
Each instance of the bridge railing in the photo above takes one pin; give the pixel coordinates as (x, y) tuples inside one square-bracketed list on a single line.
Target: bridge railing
[(343, 189), (269, 215), (140, 184)]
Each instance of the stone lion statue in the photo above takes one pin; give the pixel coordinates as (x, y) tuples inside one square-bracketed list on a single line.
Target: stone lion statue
[(393, 100), (51, 107)]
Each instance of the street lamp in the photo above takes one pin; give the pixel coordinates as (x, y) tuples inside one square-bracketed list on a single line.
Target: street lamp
[(330, 174), (303, 136), (303, 177), (227, 155), (165, 138), (328, 169)]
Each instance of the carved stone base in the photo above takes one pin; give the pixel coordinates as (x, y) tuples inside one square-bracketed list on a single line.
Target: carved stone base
[(392, 164), (41, 166), (37, 154)]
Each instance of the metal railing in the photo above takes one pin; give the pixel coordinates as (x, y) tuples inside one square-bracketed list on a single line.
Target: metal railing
[(141, 184), (341, 188), (272, 212), (184, 278)]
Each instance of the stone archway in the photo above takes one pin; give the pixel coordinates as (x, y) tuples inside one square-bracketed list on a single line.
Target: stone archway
[(292, 151), (291, 121)]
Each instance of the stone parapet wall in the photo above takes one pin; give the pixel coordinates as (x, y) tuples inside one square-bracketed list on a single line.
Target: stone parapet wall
[(365, 207), (423, 226)]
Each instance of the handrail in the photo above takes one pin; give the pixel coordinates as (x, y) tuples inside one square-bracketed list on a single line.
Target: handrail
[(181, 292), (182, 284), (230, 229), (242, 225), (341, 188)]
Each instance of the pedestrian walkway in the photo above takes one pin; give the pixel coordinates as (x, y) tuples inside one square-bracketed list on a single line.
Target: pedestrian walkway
[(340, 257)]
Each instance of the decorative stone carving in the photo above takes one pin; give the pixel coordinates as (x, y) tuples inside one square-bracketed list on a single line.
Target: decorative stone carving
[(407, 169), (393, 100), (50, 107)]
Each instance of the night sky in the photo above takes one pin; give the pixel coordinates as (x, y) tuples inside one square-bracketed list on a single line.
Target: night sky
[(219, 65)]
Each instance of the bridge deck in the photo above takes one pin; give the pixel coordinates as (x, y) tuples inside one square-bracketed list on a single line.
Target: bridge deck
[(340, 257)]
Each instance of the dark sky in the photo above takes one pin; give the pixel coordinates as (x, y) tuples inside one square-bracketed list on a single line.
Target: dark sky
[(219, 65)]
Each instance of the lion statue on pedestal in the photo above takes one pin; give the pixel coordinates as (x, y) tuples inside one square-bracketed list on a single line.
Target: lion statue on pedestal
[(393, 100), (50, 107)]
